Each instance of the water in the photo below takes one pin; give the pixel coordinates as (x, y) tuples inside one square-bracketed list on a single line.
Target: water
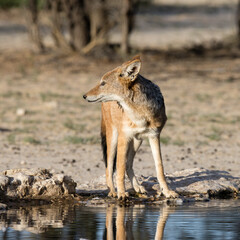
[(212, 220)]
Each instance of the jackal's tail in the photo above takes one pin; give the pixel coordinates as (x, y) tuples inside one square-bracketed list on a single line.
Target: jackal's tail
[(104, 147)]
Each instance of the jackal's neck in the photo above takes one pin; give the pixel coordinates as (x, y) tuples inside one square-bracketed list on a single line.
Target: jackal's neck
[(143, 101)]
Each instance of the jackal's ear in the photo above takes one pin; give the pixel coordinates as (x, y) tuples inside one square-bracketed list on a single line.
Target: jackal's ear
[(137, 57), (131, 69)]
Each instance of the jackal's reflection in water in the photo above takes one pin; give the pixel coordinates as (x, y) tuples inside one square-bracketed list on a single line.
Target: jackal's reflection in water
[(74, 222), (120, 221)]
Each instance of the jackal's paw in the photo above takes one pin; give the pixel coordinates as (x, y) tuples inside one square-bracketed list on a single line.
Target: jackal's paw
[(112, 194), (140, 189), (170, 194), (122, 196)]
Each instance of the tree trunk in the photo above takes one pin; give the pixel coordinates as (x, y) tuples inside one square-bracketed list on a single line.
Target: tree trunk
[(34, 28), (55, 8), (96, 10), (78, 22), (238, 23), (127, 23), (56, 24), (125, 26)]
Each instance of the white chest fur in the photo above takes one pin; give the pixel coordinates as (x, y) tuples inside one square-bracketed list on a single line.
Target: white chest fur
[(136, 125)]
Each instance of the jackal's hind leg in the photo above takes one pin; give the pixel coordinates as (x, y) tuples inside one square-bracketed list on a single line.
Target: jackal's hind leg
[(156, 151), (134, 146)]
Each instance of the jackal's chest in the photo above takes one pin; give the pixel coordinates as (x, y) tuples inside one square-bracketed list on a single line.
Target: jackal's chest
[(138, 121), (138, 129)]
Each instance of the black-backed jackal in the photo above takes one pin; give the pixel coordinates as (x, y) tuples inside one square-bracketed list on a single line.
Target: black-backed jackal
[(132, 107)]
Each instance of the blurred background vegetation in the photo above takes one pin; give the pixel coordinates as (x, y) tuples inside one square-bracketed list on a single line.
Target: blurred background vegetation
[(84, 26), (11, 3)]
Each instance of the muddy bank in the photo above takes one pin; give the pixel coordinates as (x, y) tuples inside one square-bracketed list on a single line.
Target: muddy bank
[(191, 184), (26, 185)]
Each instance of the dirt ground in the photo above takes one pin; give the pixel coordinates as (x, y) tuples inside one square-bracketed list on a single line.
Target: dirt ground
[(44, 121)]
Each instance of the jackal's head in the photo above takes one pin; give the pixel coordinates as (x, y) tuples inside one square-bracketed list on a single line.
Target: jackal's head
[(114, 85)]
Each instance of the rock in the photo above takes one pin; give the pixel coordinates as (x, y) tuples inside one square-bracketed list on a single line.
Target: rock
[(179, 201), (204, 182), (20, 112), (3, 181), (3, 207), (196, 183), (35, 184)]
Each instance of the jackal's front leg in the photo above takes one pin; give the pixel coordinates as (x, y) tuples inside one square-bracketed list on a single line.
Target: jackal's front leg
[(156, 151), (122, 149), (111, 153), (109, 227), (120, 223)]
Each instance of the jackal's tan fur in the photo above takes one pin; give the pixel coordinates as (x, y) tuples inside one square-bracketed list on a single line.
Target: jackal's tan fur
[(132, 107)]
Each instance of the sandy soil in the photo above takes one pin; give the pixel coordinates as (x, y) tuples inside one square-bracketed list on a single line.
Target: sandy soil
[(44, 122), (60, 131)]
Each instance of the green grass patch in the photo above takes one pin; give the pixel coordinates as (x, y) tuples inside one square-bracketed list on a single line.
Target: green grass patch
[(82, 140), (73, 126), (215, 135), (178, 142), (48, 96), (5, 4), (11, 138), (32, 140), (214, 117), (165, 140), (23, 130), (31, 121), (11, 3), (11, 94), (203, 97), (236, 119), (202, 143), (219, 118)]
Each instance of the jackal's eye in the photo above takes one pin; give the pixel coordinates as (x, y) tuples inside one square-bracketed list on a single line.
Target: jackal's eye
[(120, 75), (102, 83)]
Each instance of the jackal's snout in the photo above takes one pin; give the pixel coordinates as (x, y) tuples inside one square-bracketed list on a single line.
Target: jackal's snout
[(92, 96), (85, 97)]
